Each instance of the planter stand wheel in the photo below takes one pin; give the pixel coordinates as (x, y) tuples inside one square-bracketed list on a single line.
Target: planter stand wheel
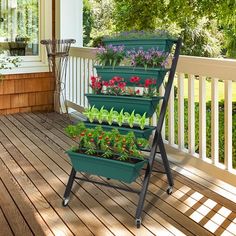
[(65, 202), (138, 223), (169, 190)]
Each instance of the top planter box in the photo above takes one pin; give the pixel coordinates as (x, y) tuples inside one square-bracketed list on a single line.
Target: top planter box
[(163, 44)]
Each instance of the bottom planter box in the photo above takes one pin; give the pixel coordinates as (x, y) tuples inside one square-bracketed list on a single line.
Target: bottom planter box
[(127, 103), (119, 170), (139, 133)]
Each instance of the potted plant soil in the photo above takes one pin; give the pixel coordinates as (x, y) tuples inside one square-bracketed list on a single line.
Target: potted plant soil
[(108, 154)]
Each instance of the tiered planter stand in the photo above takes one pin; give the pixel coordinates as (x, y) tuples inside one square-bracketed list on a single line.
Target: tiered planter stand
[(120, 170)]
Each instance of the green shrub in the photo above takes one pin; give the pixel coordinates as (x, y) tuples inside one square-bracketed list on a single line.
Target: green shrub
[(208, 128)]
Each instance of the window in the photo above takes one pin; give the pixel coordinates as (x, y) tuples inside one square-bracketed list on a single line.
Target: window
[(19, 27)]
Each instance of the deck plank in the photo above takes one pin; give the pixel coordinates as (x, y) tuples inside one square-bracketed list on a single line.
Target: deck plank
[(18, 224), (36, 223), (34, 166), (4, 226), (48, 184), (55, 176)]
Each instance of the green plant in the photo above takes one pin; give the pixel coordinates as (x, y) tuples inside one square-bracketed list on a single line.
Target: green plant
[(113, 116), (142, 34), (91, 113), (110, 116), (208, 128), (110, 55), (150, 58), (7, 63), (130, 118), (141, 120), (106, 144), (88, 21)]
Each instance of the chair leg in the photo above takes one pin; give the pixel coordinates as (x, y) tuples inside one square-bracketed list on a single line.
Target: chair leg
[(69, 187)]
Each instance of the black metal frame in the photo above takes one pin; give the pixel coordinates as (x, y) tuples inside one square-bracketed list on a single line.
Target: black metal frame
[(157, 143)]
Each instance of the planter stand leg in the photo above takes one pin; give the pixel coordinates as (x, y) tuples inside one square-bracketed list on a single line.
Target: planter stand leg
[(166, 166), (69, 187), (144, 189)]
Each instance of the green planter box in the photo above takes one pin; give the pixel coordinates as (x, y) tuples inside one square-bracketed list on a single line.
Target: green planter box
[(139, 133), (123, 171), (163, 44), (126, 72), (128, 103)]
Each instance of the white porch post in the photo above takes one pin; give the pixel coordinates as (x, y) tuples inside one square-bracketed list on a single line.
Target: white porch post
[(69, 20)]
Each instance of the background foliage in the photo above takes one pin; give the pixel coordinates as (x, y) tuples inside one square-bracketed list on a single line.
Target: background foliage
[(208, 27)]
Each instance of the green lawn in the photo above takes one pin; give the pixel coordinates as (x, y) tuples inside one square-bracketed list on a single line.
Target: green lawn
[(208, 90)]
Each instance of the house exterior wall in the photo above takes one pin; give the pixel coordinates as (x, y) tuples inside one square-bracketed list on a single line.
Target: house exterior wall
[(27, 93)]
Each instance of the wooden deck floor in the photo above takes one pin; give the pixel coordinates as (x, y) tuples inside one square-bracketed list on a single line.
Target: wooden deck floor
[(34, 171)]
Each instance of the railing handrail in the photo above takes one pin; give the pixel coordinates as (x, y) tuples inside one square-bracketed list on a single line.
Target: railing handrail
[(203, 66)]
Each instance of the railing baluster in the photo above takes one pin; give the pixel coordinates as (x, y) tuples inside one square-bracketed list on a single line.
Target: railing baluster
[(86, 79), (171, 117), (191, 115), (77, 82), (214, 121), (181, 111), (81, 82), (228, 124), (202, 117), (73, 79)]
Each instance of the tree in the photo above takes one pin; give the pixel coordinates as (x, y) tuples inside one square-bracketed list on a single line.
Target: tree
[(103, 18), (199, 23), (87, 22)]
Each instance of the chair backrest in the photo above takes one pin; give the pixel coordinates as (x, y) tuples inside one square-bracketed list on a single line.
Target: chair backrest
[(57, 47)]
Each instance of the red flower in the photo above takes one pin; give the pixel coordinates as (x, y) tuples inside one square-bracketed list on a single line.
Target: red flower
[(149, 82), (138, 91), (122, 85), (111, 82), (105, 83), (93, 79), (134, 79), (117, 78)]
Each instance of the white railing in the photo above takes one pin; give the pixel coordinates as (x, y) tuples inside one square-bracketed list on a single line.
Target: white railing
[(206, 74)]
